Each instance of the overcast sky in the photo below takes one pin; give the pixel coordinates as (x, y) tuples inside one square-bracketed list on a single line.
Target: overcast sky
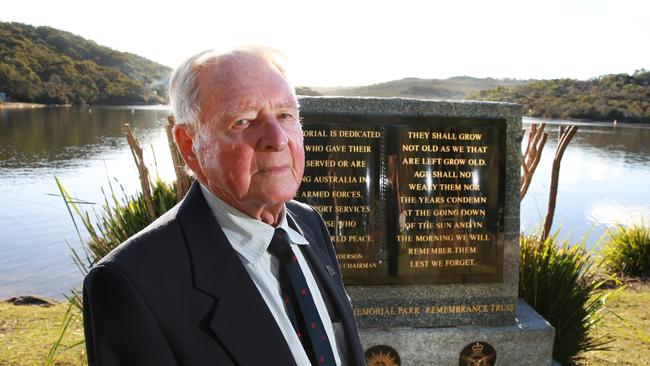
[(353, 42)]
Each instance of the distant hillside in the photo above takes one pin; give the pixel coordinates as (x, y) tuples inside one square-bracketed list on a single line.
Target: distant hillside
[(619, 97), (47, 65), (303, 90), (453, 88)]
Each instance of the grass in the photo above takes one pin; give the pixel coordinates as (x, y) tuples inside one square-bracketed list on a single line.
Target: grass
[(28, 332), (627, 320)]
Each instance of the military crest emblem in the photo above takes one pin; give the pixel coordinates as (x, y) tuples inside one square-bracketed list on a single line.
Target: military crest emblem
[(382, 356), (478, 354)]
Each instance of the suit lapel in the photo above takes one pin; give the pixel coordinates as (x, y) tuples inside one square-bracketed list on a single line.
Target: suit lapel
[(240, 319), (245, 326)]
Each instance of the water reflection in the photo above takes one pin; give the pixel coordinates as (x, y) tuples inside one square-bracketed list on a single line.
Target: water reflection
[(627, 142), (616, 213), (82, 147), (603, 180), (42, 137)]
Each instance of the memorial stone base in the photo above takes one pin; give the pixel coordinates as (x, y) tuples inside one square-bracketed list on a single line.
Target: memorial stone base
[(529, 341)]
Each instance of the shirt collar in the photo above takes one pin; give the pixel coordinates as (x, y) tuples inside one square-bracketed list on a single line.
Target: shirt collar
[(248, 236)]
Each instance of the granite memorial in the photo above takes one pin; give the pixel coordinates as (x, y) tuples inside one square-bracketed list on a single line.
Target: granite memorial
[(421, 201)]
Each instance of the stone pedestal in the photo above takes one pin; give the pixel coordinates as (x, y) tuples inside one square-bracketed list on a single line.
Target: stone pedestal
[(526, 342)]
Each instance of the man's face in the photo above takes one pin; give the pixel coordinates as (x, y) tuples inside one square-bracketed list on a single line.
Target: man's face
[(249, 142)]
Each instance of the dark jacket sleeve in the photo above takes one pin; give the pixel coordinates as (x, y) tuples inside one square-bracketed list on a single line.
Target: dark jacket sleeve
[(119, 327)]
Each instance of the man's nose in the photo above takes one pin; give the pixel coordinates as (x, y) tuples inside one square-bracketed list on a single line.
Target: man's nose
[(273, 137)]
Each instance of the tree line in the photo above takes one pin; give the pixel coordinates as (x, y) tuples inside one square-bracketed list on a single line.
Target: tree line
[(614, 97), (47, 65)]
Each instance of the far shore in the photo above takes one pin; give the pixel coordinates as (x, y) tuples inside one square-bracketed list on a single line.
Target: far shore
[(24, 105), (12, 105), (549, 120)]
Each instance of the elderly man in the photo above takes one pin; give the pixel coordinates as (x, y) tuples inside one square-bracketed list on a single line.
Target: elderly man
[(236, 274)]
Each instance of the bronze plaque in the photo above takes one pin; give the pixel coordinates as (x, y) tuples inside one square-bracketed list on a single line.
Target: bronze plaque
[(343, 182), (382, 356), (478, 354), (409, 200), (445, 190)]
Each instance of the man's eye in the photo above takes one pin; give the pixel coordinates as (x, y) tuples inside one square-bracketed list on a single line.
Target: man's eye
[(284, 116), (241, 122)]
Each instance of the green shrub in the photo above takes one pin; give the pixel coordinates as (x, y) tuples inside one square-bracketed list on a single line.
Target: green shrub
[(626, 250), (122, 219), (118, 219), (558, 281)]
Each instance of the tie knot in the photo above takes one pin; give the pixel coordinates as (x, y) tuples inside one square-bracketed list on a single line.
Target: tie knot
[(280, 245)]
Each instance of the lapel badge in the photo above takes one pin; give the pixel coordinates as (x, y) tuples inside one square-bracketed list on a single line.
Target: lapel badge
[(330, 270)]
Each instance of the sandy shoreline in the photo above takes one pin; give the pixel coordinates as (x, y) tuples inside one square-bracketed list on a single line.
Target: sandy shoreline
[(11, 105)]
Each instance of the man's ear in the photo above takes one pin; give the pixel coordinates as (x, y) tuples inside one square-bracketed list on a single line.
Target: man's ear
[(184, 139)]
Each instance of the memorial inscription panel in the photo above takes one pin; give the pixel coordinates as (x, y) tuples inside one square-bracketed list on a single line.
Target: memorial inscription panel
[(409, 200), (342, 181)]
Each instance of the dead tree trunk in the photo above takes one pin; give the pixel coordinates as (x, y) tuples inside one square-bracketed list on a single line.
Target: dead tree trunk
[(566, 134), (143, 172)]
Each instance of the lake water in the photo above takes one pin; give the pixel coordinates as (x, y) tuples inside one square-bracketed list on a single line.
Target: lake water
[(604, 180)]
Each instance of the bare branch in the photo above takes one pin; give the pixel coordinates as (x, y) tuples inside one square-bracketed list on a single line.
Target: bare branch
[(183, 180), (530, 159)]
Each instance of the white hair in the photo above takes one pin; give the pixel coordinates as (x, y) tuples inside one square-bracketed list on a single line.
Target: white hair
[(184, 84)]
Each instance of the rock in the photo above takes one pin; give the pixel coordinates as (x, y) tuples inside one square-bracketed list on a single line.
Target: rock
[(31, 300)]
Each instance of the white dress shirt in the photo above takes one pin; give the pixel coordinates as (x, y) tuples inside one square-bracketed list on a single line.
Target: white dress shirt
[(250, 238)]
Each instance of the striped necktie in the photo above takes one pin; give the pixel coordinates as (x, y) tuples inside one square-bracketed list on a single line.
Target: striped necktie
[(299, 303)]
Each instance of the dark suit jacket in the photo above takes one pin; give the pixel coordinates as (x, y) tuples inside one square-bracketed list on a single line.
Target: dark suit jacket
[(177, 294)]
